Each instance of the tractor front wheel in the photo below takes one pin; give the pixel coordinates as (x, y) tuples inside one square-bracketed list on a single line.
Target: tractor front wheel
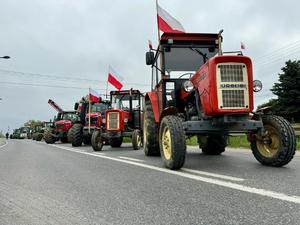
[(215, 145), (49, 136), (172, 142), (97, 142), (150, 132), (136, 139), (77, 135), (276, 144)]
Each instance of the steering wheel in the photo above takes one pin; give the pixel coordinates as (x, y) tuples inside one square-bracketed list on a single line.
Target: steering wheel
[(185, 74)]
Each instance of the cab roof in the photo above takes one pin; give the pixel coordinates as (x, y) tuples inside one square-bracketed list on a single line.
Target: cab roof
[(190, 38)]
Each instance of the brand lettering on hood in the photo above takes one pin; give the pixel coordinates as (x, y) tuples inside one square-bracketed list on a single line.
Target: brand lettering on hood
[(233, 86)]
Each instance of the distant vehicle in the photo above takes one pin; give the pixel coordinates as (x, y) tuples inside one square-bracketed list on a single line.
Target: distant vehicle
[(83, 129), (124, 119), (61, 125), (38, 131)]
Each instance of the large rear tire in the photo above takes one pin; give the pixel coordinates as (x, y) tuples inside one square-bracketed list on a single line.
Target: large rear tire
[(215, 145), (150, 132), (49, 136), (279, 146), (70, 135), (116, 142), (77, 135), (172, 142), (97, 142), (39, 137), (136, 139)]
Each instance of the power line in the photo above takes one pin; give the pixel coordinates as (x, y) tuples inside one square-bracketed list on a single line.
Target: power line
[(67, 78), (46, 85)]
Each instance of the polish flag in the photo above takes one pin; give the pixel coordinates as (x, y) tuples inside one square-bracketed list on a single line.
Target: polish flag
[(94, 96), (167, 23), (243, 47), (150, 44), (115, 79)]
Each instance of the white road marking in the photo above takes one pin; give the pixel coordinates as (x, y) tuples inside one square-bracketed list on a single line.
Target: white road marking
[(239, 187), (6, 143), (132, 159), (225, 177)]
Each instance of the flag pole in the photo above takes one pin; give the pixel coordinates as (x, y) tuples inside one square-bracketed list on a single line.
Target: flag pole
[(106, 90), (157, 22), (89, 113)]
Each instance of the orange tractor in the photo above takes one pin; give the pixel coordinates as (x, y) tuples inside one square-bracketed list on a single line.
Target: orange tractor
[(199, 90), (123, 120)]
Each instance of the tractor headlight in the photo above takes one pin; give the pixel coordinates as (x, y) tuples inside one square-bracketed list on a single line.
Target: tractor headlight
[(257, 86), (188, 86)]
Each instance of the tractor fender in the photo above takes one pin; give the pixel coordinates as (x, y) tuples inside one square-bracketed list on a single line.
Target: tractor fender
[(152, 97), (168, 111), (264, 110)]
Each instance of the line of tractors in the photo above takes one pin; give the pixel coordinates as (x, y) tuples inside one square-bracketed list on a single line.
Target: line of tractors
[(197, 89)]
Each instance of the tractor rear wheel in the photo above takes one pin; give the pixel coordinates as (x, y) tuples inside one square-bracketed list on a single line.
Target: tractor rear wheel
[(150, 132), (48, 136), (116, 142), (215, 145), (277, 146), (39, 137), (77, 135), (172, 142), (70, 135), (97, 142), (136, 139)]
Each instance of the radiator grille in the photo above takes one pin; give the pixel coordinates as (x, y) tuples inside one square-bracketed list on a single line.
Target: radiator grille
[(113, 120), (231, 73), (233, 98)]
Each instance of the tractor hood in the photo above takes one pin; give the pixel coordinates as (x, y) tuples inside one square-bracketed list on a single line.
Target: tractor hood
[(93, 114), (63, 122)]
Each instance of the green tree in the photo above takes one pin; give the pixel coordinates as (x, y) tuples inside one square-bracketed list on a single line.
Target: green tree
[(287, 90), (32, 123)]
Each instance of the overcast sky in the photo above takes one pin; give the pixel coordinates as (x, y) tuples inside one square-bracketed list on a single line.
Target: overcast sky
[(76, 40)]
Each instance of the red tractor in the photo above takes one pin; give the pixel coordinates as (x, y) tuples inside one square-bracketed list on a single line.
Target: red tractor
[(92, 116), (198, 90), (62, 124), (123, 120)]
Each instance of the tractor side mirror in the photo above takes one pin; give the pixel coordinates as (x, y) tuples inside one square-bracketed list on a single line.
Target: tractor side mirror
[(76, 106), (100, 99), (149, 58)]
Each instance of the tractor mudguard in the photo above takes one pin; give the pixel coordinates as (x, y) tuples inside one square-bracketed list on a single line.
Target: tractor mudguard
[(152, 97)]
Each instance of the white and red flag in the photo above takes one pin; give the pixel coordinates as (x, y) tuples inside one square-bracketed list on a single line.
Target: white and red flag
[(114, 78), (94, 96), (150, 44), (243, 47), (167, 23)]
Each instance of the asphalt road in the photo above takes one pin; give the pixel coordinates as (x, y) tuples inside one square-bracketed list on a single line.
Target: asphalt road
[(58, 184)]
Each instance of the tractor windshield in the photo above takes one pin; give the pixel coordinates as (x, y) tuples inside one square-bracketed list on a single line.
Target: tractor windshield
[(99, 107), (181, 60), (123, 101), (69, 116)]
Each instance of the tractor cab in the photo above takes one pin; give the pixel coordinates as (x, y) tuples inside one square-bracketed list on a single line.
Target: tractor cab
[(177, 59), (126, 110), (97, 113), (65, 120)]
